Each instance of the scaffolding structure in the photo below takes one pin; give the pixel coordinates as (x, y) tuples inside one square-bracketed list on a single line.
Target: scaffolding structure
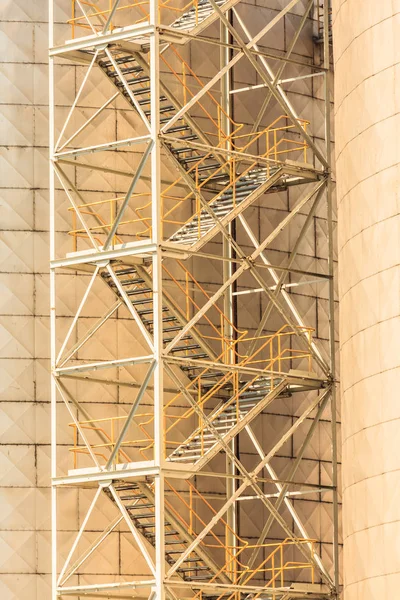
[(196, 382)]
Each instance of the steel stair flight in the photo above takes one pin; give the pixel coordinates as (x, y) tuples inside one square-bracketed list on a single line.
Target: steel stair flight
[(200, 166), (235, 409)]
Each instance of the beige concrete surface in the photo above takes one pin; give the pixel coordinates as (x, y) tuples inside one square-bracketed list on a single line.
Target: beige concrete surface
[(367, 122)]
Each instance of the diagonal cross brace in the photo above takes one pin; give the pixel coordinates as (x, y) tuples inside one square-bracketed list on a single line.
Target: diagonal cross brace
[(132, 412), (280, 282), (250, 479), (221, 226), (246, 264), (282, 488), (230, 64), (282, 101), (128, 195)]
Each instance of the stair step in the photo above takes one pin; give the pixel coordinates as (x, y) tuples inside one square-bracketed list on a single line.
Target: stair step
[(184, 338), (182, 150), (130, 70), (188, 569), (125, 282), (128, 271), (187, 560), (135, 80), (168, 329), (145, 101), (188, 347), (149, 311), (138, 291), (178, 128), (165, 320), (163, 109), (192, 159)]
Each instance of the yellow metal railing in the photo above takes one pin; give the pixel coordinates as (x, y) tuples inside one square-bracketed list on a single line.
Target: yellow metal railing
[(274, 352), (272, 567), (275, 144), (103, 226), (271, 572), (215, 113)]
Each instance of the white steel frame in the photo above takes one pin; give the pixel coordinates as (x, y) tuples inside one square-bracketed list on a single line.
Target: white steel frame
[(235, 43)]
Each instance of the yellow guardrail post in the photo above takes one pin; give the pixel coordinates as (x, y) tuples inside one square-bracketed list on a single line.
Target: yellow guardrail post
[(74, 236), (184, 83), (190, 510), (73, 19), (75, 446), (279, 354)]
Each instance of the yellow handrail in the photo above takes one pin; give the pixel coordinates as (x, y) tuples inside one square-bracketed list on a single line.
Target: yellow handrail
[(275, 150), (276, 355)]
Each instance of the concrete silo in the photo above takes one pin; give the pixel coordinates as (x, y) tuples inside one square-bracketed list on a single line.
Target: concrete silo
[(367, 122)]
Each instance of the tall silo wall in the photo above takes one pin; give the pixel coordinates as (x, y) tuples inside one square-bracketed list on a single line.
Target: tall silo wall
[(367, 124)]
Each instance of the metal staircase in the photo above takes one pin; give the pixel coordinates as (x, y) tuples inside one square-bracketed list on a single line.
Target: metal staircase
[(139, 502), (229, 203), (237, 405), (135, 282), (227, 420), (202, 168), (162, 452)]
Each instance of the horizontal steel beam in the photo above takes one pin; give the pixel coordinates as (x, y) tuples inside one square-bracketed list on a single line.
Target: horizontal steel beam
[(142, 248), (103, 147), (132, 32), (106, 364)]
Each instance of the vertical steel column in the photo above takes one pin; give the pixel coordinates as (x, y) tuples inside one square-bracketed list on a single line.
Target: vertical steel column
[(53, 391), (227, 250), (332, 349), (157, 298)]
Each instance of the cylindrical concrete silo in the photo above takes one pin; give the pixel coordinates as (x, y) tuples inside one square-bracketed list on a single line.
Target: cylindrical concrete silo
[(367, 102)]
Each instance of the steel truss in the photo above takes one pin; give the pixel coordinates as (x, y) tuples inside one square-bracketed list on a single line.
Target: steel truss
[(195, 382)]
